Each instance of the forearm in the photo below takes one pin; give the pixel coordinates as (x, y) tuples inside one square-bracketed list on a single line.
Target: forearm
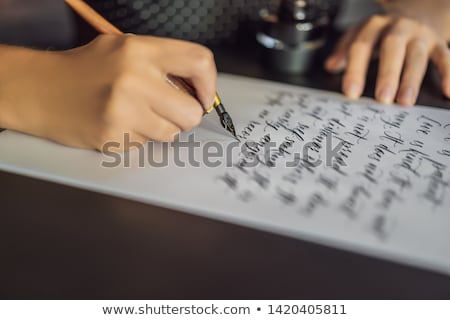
[(15, 62), (435, 13), (20, 70)]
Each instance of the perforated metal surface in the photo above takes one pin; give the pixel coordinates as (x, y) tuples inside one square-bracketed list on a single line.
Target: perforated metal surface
[(204, 21)]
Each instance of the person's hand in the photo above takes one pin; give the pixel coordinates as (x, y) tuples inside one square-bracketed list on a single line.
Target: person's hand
[(94, 94), (405, 48)]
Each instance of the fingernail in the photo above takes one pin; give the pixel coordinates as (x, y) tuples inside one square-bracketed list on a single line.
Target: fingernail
[(406, 97), (353, 91), (386, 95)]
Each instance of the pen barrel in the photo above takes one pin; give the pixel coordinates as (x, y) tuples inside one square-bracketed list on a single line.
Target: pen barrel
[(93, 18)]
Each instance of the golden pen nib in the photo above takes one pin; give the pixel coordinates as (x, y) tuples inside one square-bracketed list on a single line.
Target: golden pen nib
[(217, 102)]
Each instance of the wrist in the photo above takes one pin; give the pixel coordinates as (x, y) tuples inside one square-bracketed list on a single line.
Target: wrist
[(16, 68)]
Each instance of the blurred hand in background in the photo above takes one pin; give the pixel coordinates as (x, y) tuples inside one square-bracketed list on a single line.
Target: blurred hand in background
[(408, 36)]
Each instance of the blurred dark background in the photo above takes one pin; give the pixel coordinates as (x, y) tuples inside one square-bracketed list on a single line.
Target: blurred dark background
[(50, 24), (42, 24)]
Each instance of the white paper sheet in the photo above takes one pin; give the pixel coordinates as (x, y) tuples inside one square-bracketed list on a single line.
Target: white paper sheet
[(384, 191)]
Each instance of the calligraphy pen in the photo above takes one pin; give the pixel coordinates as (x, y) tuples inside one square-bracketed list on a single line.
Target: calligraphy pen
[(103, 26)]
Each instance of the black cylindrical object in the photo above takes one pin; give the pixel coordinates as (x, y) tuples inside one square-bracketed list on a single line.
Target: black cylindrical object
[(291, 37)]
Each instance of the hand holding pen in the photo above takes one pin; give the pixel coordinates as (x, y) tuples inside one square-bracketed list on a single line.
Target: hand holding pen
[(94, 94), (91, 95), (176, 80)]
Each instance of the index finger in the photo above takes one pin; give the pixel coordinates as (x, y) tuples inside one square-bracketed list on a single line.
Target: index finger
[(194, 63), (359, 56)]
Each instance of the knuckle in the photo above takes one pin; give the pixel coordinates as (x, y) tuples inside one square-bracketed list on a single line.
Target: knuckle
[(424, 30), (420, 46), (203, 57), (376, 19), (128, 47), (393, 38), (359, 46), (399, 22)]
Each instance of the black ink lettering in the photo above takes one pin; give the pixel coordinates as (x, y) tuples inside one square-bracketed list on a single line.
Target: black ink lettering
[(359, 132), (379, 151), (230, 181), (394, 137)]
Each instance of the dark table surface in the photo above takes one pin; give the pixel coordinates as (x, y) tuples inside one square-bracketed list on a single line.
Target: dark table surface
[(61, 242)]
